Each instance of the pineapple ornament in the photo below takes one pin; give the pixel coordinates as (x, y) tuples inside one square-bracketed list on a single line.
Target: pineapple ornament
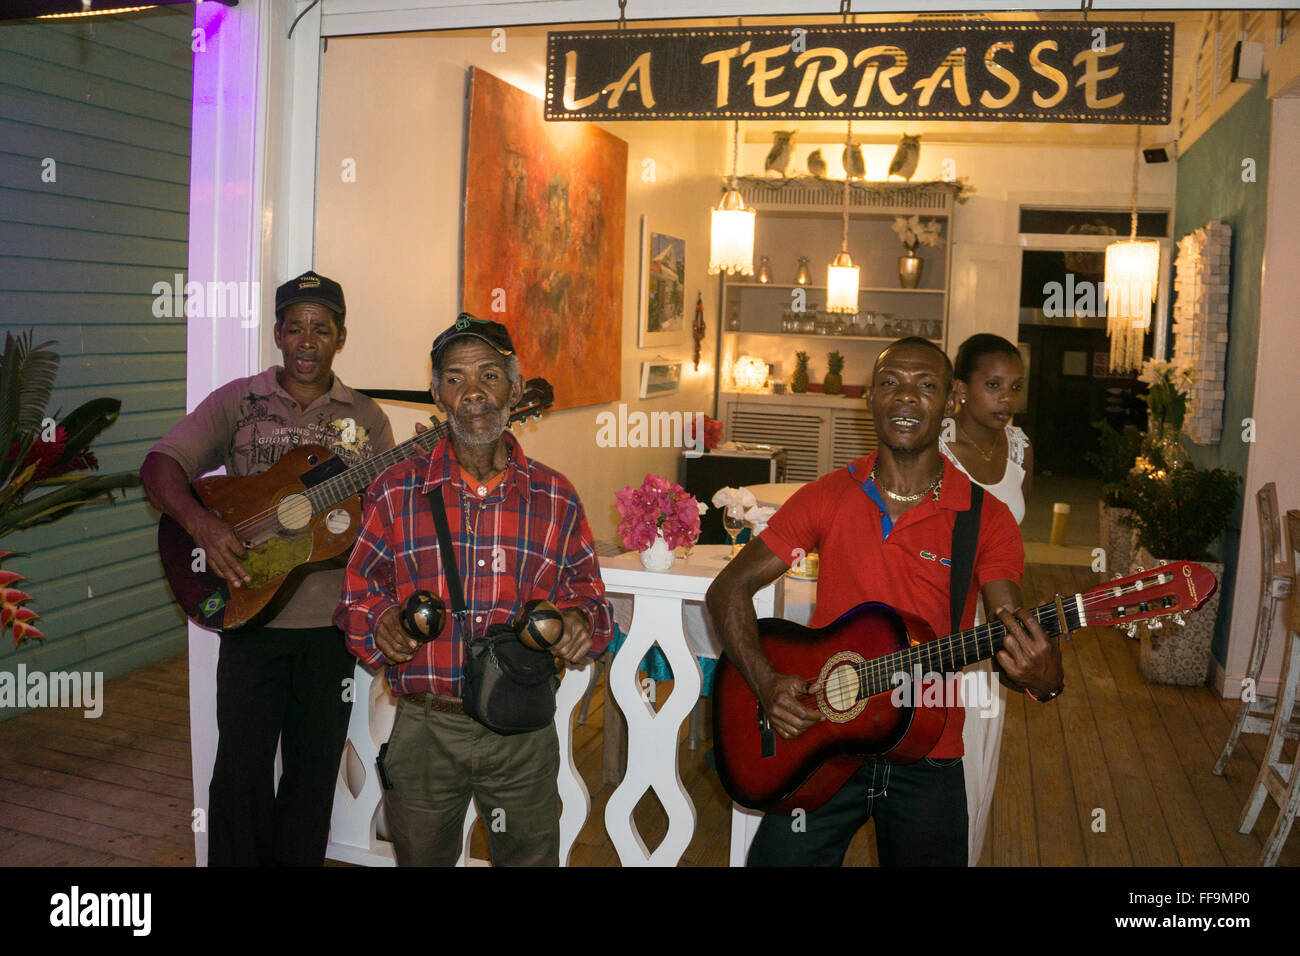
[(799, 383), (833, 384)]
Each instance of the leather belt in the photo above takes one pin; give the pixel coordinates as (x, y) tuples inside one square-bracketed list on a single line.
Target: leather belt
[(444, 705)]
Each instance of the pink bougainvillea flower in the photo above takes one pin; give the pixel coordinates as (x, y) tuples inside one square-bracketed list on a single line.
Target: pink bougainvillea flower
[(658, 506)]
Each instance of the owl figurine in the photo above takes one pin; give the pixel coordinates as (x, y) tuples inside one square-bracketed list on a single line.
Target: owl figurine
[(906, 157), (778, 157), (855, 167), (816, 165)]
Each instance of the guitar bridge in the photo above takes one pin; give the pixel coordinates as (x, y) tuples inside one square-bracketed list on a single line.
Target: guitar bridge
[(766, 734)]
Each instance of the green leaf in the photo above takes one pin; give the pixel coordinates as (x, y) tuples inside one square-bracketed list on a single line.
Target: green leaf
[(54, 504), (84, 424), (26, 380), (15, 489)]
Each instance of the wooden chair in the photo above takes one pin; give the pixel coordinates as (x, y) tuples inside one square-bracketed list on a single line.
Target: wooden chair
[(1277, 780), (1277, 578)]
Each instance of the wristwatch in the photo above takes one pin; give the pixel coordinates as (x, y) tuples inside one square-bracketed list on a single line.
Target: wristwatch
[(1052, 696)]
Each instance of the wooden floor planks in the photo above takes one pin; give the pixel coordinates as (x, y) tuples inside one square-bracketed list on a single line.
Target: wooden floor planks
[(116, 791)]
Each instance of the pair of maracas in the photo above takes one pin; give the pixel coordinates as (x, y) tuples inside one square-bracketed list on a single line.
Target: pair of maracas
[(538, 626)]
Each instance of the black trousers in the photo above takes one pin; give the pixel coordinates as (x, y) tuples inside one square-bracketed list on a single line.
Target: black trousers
[(287, 686), (919, 809)]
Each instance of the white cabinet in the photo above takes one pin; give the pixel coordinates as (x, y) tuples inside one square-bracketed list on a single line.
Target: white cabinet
[(820, 433)]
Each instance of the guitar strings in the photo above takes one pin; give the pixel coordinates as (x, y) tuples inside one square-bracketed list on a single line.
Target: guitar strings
[(889, 664), (266, 520)]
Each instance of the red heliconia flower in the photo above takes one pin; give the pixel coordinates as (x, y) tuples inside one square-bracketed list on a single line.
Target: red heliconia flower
[(25, 631), (13, 613), (13, 596), (45, 453), (9, 577)]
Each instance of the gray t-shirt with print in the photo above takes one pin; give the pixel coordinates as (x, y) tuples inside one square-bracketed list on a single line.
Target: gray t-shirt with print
[(248, 424)]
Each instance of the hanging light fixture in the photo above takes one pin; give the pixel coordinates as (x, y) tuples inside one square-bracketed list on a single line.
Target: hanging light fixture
[(842, 275), (1132, 273), (731, 234)]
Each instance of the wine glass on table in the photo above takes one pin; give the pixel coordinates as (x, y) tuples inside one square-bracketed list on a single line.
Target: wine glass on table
[(733, 522)]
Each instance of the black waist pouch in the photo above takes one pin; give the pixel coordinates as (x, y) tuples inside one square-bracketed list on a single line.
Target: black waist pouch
[(509, 688)]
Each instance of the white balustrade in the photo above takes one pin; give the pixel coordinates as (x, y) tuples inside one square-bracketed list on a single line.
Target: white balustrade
[(662, 600), (354, 836), (657, 617)]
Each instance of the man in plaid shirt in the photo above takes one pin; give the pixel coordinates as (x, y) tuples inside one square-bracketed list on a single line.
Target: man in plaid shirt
[(519, 533)]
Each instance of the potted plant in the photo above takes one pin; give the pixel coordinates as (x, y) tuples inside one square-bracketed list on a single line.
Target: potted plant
[(1177, 512), (1166, 401), (1119, 452)]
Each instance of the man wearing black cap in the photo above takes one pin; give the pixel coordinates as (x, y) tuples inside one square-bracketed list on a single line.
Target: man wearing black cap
[(519, 533), (283, 682)]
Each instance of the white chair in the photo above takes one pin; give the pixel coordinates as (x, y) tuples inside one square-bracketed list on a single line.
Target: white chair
[(1277, 578), (1277, 780)]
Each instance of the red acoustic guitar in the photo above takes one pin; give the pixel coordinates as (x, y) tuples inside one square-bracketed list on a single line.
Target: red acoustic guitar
[(302, 513), (863, 657)]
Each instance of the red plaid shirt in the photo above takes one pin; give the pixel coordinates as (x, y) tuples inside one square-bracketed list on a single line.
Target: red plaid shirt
[(527, 538)]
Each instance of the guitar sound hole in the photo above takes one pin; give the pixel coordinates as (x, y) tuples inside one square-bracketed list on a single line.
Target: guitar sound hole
[(842, 688), (841, 697), (293, 512)]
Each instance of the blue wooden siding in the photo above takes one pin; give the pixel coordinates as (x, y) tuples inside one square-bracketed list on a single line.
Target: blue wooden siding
[(109, 101)]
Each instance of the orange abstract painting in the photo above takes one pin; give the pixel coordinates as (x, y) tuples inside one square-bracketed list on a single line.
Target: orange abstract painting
[(544, 237)]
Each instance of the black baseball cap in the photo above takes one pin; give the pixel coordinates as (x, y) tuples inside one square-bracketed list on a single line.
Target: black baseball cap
[(310, 287), (493, 333)]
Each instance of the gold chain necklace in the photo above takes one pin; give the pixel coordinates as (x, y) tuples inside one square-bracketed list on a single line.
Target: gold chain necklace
[(932, 486), (987, 456)]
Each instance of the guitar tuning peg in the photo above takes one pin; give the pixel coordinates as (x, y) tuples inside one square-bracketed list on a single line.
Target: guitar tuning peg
[(1117, 577), (1129, 629), (1139, 569), (1178, 619), (1155, 624)]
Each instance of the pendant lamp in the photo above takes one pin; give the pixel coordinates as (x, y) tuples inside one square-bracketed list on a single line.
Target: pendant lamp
[(842, 275), (731, 233), (1132, 274)]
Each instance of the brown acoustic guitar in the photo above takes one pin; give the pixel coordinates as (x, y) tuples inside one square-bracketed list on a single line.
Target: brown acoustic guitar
[(301, 514), (862, 660)]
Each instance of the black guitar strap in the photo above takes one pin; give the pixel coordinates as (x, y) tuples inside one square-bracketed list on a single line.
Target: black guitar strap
[(450, 568), (965, 538)]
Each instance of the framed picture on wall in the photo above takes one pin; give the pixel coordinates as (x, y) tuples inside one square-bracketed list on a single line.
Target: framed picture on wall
[(660, 377), (662, 312)]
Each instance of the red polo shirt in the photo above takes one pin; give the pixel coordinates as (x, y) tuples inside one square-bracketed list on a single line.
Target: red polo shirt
[(905, 564)]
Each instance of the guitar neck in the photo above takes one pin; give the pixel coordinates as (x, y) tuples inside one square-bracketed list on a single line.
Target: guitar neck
[(949, 654), (358, 478)]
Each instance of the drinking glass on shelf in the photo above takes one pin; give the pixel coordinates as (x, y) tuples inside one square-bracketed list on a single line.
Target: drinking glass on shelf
[(733, 524)]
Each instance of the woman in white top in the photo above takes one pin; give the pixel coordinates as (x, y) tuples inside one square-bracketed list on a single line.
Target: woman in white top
[(988, 383)]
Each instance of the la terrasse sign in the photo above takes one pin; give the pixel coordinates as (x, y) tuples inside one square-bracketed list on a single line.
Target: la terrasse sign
[(995, 71)]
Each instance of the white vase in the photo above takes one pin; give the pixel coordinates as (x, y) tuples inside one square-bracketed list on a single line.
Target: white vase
[(657, 557)]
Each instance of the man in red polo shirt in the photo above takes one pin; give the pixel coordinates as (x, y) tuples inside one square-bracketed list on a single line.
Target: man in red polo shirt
[(883, 528)]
